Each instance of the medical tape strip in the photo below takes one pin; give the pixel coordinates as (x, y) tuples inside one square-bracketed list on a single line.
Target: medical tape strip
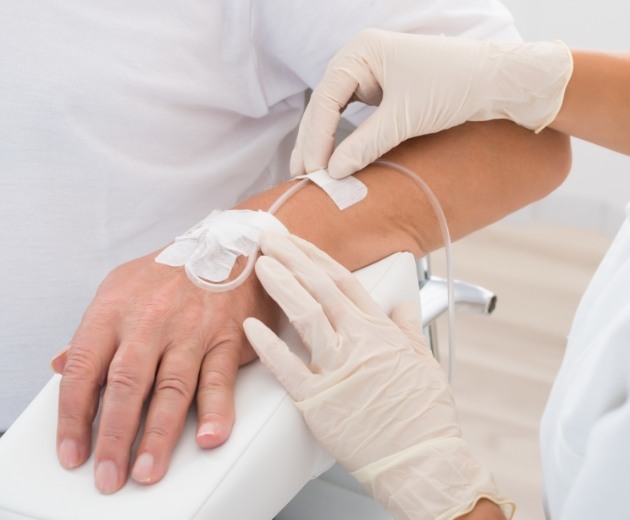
[(344, 192), (210, 248)]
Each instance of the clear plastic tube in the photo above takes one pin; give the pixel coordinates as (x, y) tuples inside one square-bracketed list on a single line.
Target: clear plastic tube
[(446, 236), (251, 259), (287, 195)]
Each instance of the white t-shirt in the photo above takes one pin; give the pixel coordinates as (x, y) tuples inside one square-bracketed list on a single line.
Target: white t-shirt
[(122, 123), (585, 432)]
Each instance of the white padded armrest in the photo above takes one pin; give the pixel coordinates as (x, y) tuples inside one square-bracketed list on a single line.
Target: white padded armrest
[(267, 460)]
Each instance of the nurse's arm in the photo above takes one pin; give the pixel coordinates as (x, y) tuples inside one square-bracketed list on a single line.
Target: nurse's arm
[(596, 104), (484, 510)]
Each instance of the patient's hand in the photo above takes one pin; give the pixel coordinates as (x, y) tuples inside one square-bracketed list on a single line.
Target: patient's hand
[(150, 334), (149, 325)]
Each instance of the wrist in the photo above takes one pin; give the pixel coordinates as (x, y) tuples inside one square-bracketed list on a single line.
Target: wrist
[(522, 82), (439, 479), (485, 509)]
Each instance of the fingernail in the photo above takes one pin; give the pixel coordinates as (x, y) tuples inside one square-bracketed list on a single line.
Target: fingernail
[(208, 434), (55, 362), (208, 430), (106, 477), (143, 468), (69, 454)]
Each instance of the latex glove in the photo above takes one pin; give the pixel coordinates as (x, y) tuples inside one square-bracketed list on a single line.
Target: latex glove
[(372, 393), (422, 85), (150, 335)]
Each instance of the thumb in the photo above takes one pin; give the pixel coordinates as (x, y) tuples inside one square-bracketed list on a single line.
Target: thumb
[(58, 363), (274, 353), (370, 140), (407, 317), (315, 139), (316, 134)]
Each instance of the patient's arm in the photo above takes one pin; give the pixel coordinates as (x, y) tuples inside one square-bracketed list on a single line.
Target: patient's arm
[(151, 334), (480, 172)]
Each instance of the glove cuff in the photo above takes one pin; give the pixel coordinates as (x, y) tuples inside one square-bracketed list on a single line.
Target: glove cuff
[(563, 60), (438, 479), (522, 82)]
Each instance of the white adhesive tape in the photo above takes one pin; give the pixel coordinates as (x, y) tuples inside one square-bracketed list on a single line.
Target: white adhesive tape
[(210, 248), (344, 192)]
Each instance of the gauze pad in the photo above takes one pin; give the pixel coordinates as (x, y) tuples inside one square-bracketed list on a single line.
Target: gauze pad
[(209, 249)]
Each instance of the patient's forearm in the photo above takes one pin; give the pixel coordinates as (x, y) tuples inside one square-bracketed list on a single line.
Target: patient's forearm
[(480, 172)]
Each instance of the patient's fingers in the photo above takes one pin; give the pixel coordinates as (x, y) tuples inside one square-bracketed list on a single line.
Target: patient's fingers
[(58, 363), (84, 372), (172, 395), (287, 368)]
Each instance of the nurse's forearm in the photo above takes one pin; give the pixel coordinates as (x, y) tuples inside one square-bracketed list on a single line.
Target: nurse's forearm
[(480, 172), (596, 104), (484, 510)]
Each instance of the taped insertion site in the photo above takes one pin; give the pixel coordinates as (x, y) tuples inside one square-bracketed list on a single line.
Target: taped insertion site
[(209, 250)]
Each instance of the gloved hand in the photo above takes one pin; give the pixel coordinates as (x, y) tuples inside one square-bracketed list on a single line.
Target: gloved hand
[(424, 84), (372, 393)]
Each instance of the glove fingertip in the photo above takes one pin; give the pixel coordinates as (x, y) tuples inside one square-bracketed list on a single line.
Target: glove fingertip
[(255, 330), (264, 341), (339, 172), (318, 155), (364, 145), (342, 164), (275, 354)]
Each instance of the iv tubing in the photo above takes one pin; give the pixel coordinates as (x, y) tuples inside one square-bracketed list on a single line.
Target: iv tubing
[(446, 236), (251, 259)]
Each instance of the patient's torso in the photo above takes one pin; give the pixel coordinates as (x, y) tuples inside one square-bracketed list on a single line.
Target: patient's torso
[(123, 123)]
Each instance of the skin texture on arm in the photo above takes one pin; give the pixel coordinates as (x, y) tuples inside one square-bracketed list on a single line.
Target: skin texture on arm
[(480, 172), (151, 335), (596, 104)]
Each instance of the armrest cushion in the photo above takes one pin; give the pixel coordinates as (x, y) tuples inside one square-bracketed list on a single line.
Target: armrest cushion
[(267, 460)]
